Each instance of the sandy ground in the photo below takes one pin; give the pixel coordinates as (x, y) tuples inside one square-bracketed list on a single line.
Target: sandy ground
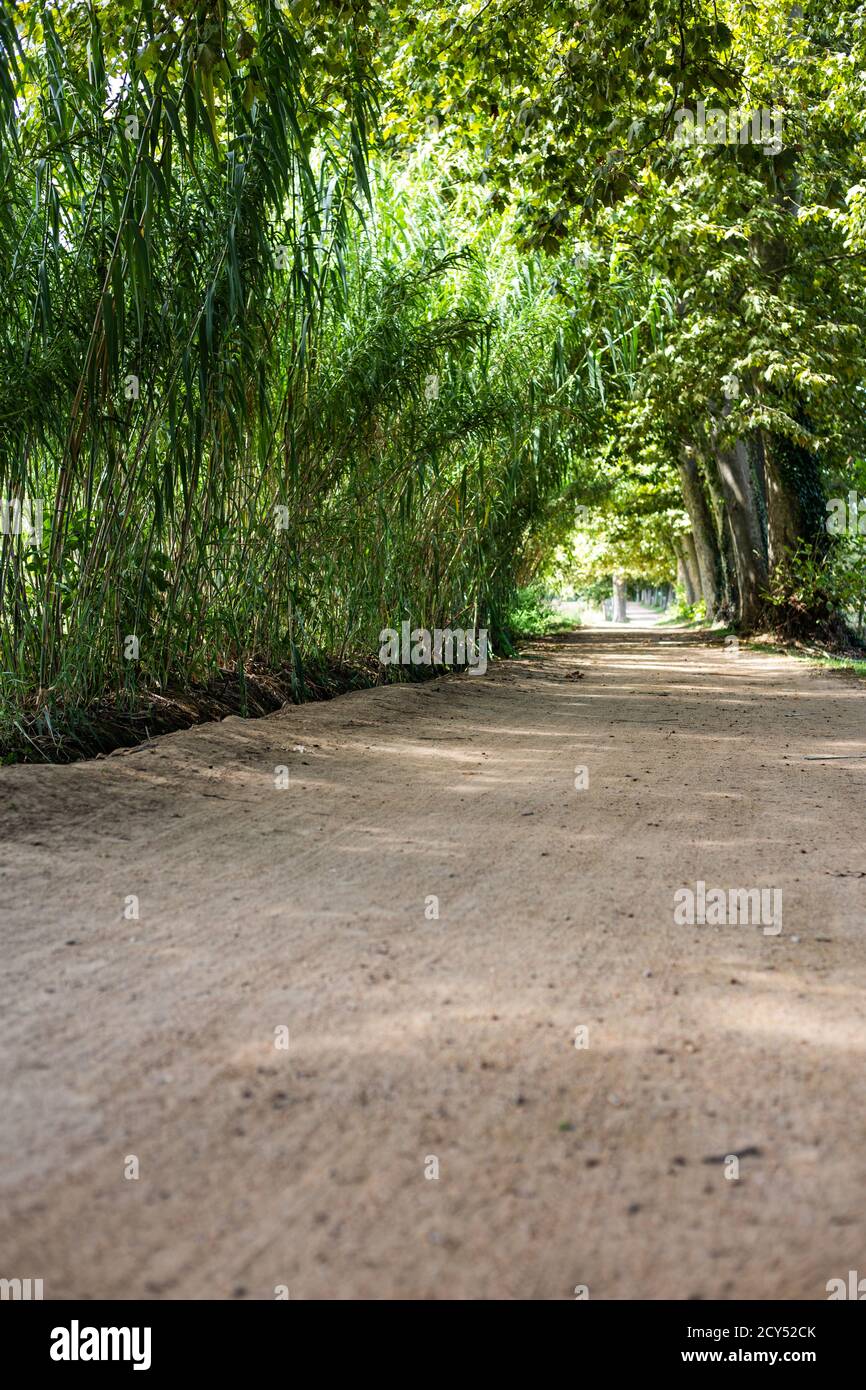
[(413, 1039)]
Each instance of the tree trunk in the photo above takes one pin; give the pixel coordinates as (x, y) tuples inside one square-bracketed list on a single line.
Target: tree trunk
[(745, 530), (795, 499), (620, 614), (684, 577), (691, 557), (703, 530), (729, 597), (792, 476)]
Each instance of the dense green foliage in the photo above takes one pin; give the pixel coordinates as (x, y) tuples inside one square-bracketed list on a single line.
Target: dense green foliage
[(753, 228), (320, 317)]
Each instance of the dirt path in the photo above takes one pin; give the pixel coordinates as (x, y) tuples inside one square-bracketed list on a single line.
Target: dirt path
[(304, 907)]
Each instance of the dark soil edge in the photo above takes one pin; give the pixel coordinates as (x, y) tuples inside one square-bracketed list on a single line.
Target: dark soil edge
[(75, 734)]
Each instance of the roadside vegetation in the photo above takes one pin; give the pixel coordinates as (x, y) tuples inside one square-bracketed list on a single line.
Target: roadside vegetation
[(319, 318)]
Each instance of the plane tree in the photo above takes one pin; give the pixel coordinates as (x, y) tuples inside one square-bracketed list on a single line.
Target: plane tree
[(719, 145)]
